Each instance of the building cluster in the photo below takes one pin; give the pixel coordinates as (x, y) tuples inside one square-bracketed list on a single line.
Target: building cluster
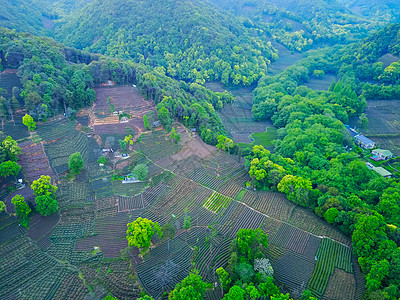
[(377, 154)]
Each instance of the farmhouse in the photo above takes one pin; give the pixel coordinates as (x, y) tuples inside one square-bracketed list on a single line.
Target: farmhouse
[(383, 172), (381, 154), (364, 142)]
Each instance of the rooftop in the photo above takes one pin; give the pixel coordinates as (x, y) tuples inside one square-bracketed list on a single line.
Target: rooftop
[(383, 152), (364, 139), (382, 171)]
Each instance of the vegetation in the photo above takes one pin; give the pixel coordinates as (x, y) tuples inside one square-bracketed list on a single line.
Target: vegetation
[(140, 232), (140, 171), (75, 163), (29, 122), (22, 210)]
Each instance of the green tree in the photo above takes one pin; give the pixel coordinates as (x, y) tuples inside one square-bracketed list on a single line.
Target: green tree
[(123, 145), (9, 168), (268, 288), (235, 293), (296, 188), (2, 206), (43, 187), (146, 122), (22, 210), (28, 121), (140, 171), (164, 118), (281, 297), (46, 204), (224, 279), (75, 163), (363, 121), (192, 287), (187, 224), (331, 214), (140, 232), (9, 149), (146, 297)]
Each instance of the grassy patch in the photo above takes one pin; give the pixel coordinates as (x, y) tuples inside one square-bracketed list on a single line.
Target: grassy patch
[(266, 138)]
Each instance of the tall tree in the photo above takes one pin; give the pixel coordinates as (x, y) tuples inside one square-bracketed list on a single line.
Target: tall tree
[(46, 205), (192, 287), (22, 210), (75, 163), (28, 121), (43, 187), (140, 232)]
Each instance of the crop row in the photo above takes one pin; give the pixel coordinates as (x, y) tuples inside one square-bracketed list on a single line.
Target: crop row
[(249, 219), (216, 202), (330, 255)]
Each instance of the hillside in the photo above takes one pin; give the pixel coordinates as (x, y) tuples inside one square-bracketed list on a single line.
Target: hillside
[(192, 41)]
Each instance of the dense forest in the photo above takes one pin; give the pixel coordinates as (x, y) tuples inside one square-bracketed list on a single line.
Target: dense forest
[(170, 49)]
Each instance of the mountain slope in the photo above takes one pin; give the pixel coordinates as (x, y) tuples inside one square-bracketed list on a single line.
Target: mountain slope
[(191, 39)]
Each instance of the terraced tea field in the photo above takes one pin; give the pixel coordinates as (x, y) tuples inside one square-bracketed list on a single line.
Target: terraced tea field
[(83, 247)]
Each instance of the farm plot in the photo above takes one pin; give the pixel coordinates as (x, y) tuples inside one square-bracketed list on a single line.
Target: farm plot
[(384, 123), (273, 204), (163, 271), (248, 219), (40, 229), (321, 84), (124, 98), (25, 270), (33, 161), (306, 220), (109, 235), (341, 286), (62, 146), (9, 228), (291, 238), (330, 255), (17, 131), (216, 202), (237, 117), (144, 199), (156, 145)]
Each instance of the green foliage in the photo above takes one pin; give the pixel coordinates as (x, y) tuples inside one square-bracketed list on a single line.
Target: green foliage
[(46, 204), (187, 224), (296, 188), (9, 150), (8, 168), (43, 187), (268, 288), (331, 214), (140, 171), (140, 232), (75, 163), (2, 206), (28, 121), (201, 43), (102, 160), (224, 143), (146, 297), (22, 210), (146, 122), (192, 287), (235, 293), (223, 278), (164, 118)]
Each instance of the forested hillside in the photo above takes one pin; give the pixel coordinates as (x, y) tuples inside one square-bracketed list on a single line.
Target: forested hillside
[(312, 162), (191, 40), (58, 79)]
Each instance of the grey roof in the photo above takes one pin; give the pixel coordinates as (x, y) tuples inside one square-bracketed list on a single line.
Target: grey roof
[(364, 139), (352, 132)]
